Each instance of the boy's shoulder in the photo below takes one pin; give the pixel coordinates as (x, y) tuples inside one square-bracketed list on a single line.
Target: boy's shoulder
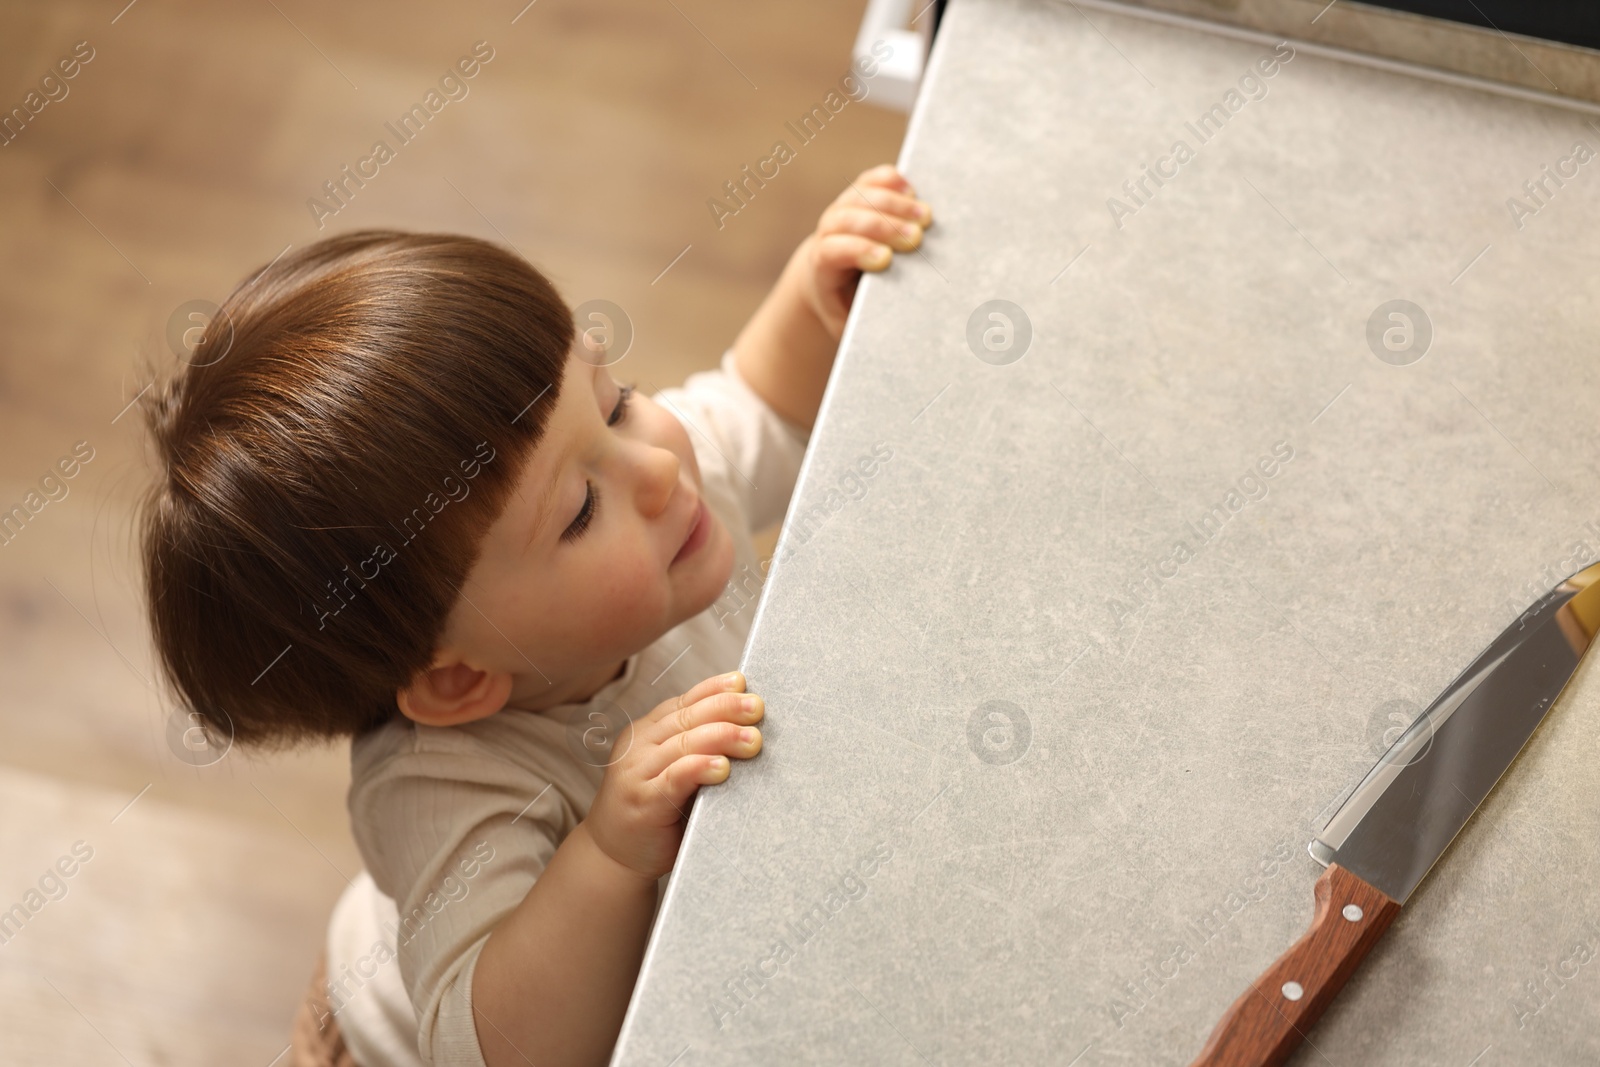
[(511, 736), (403, 764)]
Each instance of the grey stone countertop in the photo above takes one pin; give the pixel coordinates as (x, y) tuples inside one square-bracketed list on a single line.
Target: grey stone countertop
[(1084, 617)]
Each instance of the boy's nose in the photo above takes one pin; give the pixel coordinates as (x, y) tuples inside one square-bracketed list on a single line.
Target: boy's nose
[(658, 478)]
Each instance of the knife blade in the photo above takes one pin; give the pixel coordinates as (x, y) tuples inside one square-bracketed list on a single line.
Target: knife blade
[(1403, 815)]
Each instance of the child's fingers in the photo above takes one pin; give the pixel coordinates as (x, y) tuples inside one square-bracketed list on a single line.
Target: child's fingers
[(864, 222), (886, 175), (842, 252), (680, 780), (886, 201), (707, 739), (730, 708), (720, 683)]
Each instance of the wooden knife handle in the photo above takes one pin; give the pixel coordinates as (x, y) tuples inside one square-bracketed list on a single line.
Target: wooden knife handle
[(1270, 1019)]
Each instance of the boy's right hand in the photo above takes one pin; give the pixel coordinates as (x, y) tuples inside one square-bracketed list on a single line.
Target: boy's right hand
[(637, 817)]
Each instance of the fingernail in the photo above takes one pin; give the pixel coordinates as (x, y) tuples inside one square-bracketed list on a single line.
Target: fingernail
[(925, 213), (732, 678), (910, 232), (876, 259), (719, 763), (747, 734), (749, 703)]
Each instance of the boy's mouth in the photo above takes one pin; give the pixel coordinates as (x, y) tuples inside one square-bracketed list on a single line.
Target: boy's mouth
[(697, 533)]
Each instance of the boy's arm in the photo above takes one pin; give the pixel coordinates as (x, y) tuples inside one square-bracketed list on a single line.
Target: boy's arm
[(785, 352), (552, 982)]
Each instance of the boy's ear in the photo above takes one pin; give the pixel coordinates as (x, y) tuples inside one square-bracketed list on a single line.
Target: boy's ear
[(449, 694)]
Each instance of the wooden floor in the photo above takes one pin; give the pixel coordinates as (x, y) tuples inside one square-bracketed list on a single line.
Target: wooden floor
[(181, 159)]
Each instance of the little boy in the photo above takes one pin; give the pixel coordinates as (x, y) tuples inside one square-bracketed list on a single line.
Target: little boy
[(400, 501)]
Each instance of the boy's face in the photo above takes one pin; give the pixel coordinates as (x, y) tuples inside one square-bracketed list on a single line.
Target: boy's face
[(604, 545)]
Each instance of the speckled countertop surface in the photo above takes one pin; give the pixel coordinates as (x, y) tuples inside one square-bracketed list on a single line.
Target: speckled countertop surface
[(1038, 781)]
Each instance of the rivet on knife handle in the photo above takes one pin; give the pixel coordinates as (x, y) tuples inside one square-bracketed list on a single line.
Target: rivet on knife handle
[(1269, 1020)]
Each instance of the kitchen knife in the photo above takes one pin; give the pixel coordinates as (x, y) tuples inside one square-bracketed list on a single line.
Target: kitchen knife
[(1403, 815)]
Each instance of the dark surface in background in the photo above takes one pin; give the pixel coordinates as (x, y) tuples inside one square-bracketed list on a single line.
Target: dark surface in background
[(1570, 21)]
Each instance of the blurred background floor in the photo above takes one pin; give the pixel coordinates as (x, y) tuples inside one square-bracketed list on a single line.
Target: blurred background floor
[(181, 160)]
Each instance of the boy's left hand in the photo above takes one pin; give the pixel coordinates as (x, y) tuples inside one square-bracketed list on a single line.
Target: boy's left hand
[(786, 350), (875, 217)]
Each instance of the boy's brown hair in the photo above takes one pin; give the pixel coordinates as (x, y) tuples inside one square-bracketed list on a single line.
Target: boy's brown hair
[(346, 430)]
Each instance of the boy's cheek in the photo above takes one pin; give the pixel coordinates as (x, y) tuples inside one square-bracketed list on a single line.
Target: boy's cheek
[(630, 578)]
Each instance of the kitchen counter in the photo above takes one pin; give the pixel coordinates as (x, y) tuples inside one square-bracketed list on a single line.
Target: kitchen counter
[(1093, 602)]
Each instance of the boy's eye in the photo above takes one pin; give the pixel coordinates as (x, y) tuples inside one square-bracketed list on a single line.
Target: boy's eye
[(620, 412), (591, 501)]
